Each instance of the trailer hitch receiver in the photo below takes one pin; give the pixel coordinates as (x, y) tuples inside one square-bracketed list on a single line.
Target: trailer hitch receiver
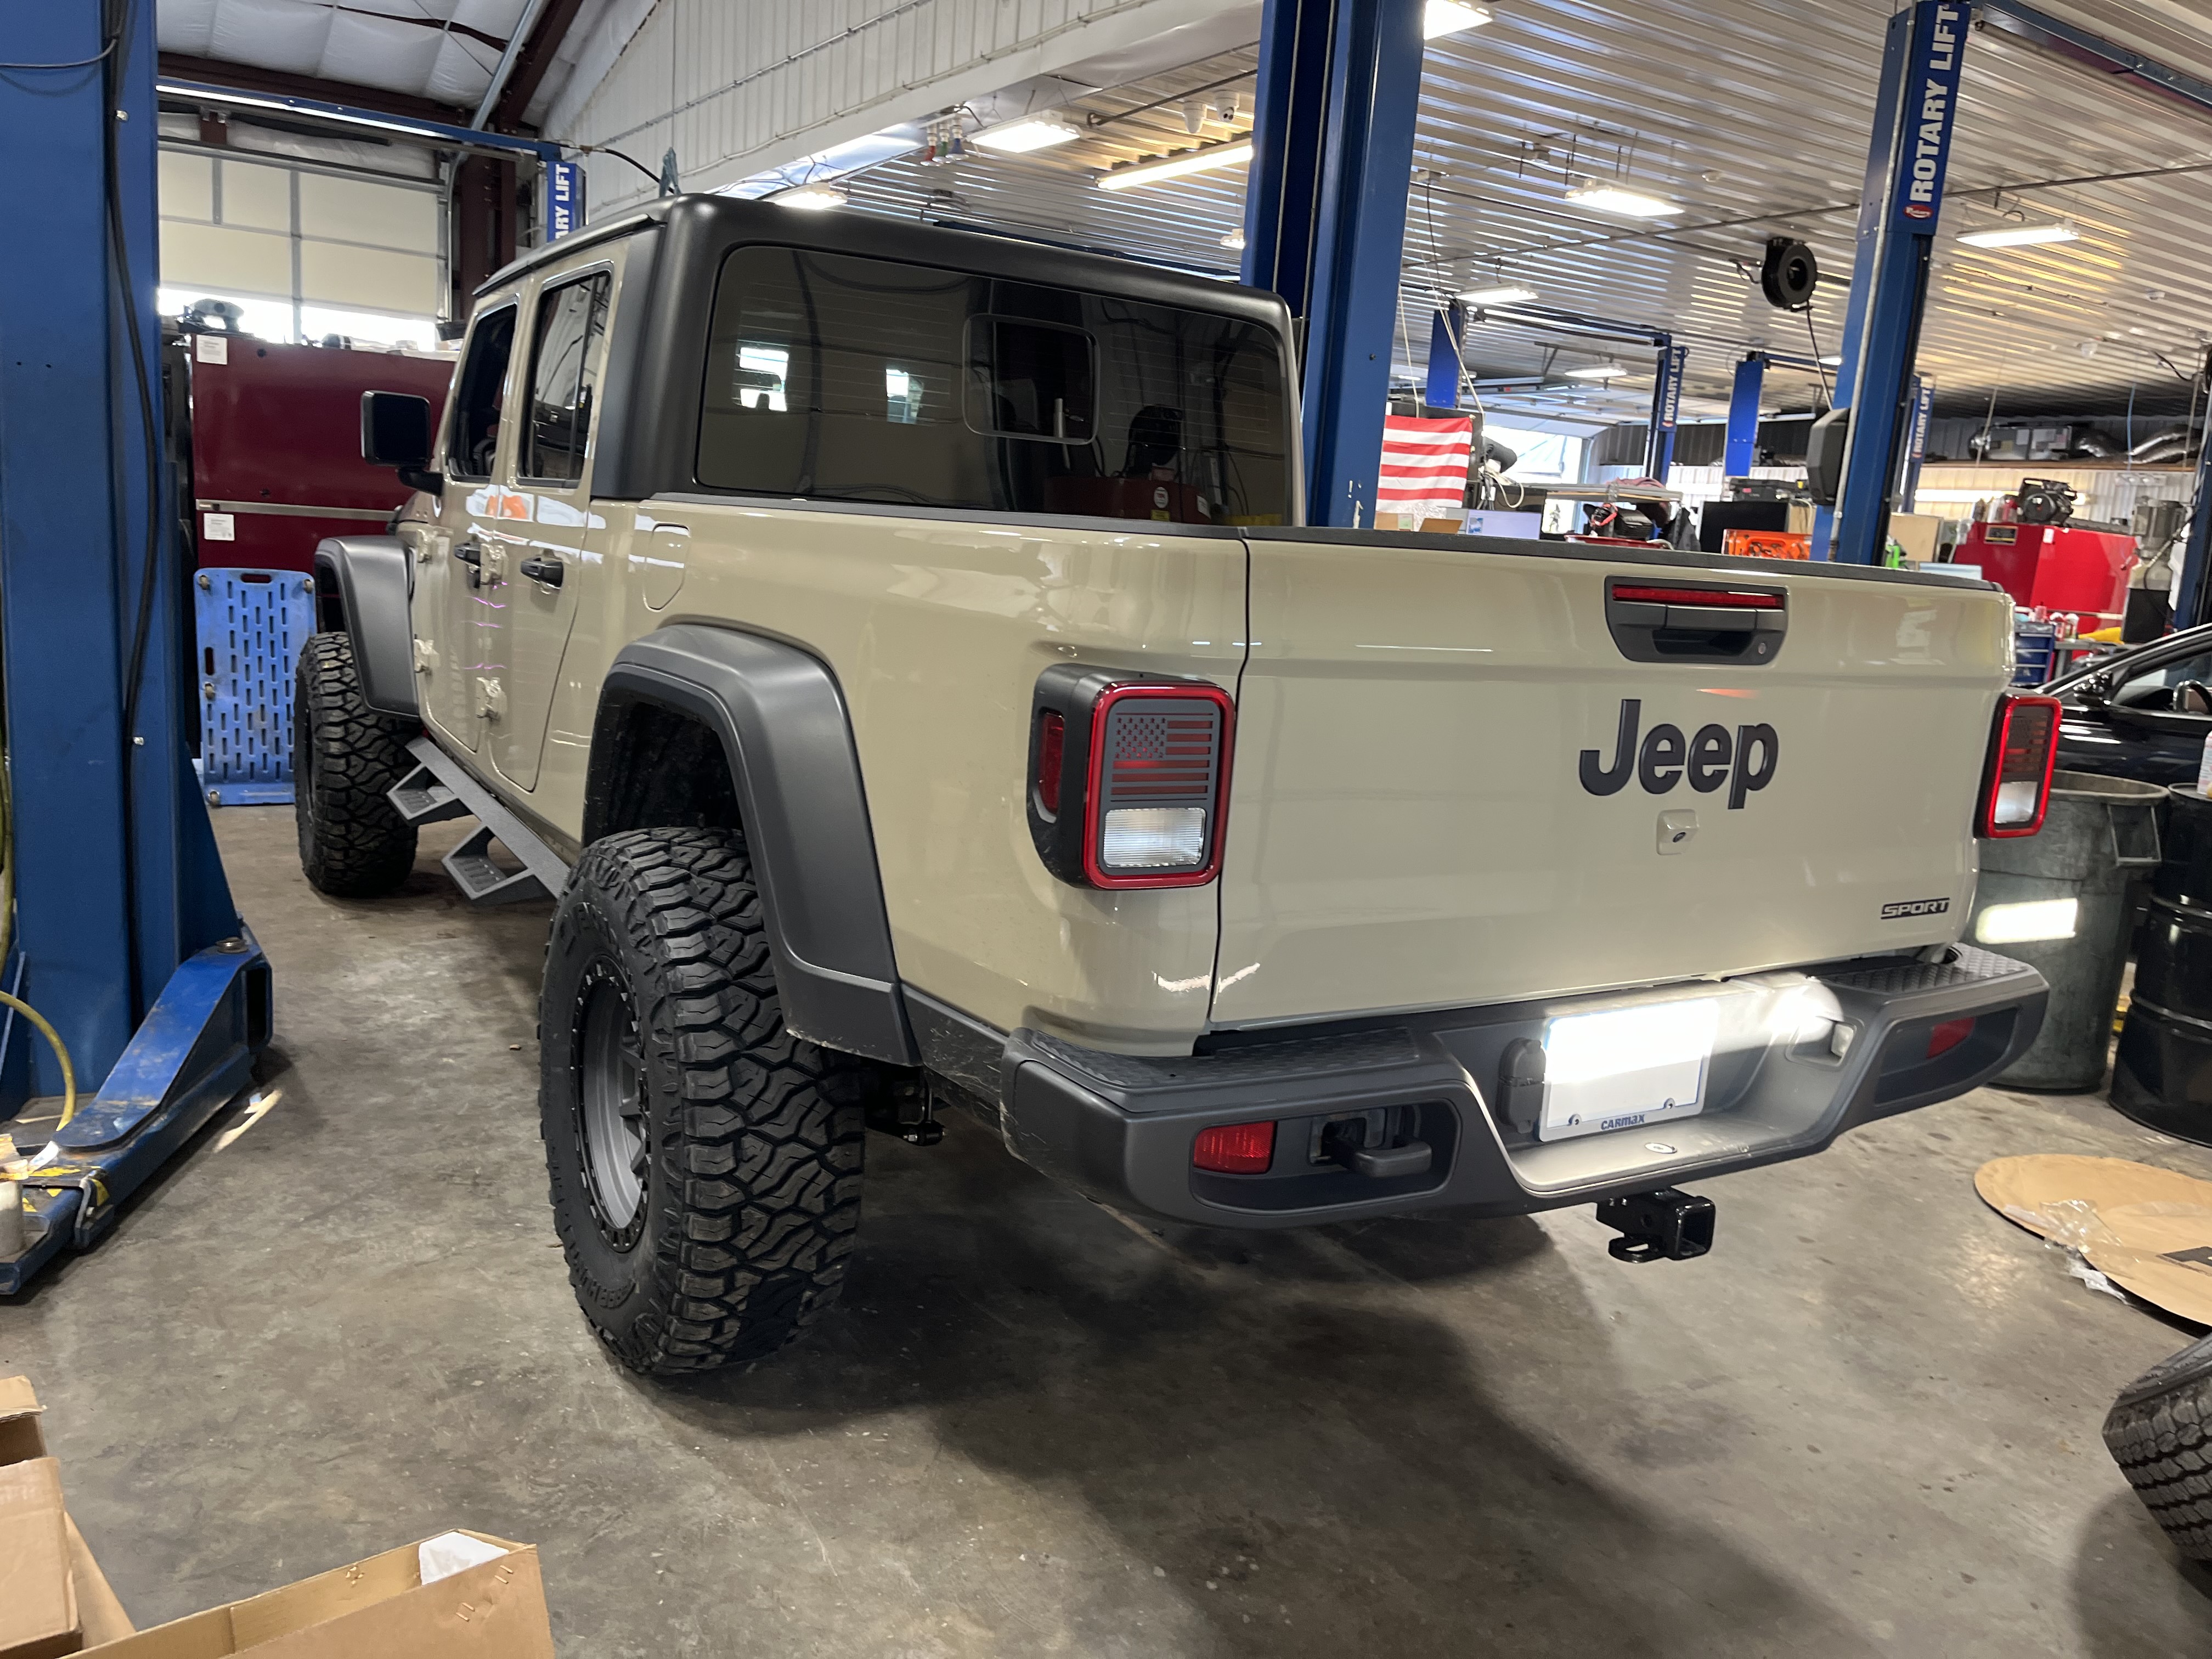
[(1668, 1226)]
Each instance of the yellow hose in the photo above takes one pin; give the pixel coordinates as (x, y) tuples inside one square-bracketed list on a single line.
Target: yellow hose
[(7, 929), (69, 1072)]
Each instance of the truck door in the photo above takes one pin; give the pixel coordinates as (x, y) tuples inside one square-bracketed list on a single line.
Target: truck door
[(538, 539), (454, 657)]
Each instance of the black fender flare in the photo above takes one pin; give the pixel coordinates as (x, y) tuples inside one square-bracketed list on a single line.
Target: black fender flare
[(785, 733), (370, 575)]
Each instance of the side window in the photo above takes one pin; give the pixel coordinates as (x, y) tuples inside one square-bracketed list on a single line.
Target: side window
[(564, 374), (2156, 689), (474, 437)]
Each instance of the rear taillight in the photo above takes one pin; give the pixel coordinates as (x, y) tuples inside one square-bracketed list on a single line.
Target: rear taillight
[(1235, 1148), (2017, 781), (1128, 777)]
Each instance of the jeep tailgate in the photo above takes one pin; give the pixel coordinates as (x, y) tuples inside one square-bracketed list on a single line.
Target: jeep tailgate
[(1413, 823)]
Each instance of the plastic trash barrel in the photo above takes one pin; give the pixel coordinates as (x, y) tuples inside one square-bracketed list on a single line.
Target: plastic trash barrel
[(2163, 1073), (2060, 900)]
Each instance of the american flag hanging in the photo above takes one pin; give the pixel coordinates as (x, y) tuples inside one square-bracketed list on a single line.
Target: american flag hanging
[(1424, 466)]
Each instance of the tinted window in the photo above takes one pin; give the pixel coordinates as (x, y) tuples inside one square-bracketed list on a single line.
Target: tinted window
[(474, 437), (2154, 688), (563, 374), (848, 379)]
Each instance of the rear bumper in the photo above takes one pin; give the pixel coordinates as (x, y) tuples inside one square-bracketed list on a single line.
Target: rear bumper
[(1121, 1127)]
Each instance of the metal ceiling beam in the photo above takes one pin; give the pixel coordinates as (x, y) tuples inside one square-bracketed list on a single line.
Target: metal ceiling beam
[(527, 71), (2055, 35), (444, 134), (211, 71)]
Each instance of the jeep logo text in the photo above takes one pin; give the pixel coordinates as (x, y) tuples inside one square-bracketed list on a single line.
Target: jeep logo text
[(1744, 760)]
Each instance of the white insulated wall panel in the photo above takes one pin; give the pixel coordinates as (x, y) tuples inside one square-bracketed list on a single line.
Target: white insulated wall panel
[(740, 85)]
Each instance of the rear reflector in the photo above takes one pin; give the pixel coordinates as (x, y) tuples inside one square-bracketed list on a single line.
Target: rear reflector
[(2016, 779), (1235, 1148), (1712, 599), (1052, 744), (1948, 1035)]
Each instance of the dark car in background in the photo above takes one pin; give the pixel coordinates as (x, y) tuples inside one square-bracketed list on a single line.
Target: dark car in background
[(2141, 713)]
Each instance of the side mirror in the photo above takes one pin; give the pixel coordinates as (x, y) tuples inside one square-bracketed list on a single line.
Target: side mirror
[(396, 431), (1824, 456)]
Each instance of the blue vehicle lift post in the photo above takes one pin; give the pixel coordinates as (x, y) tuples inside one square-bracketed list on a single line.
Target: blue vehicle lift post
[(125, 935), (1914, 113), (1325, 220), (1743, 452)]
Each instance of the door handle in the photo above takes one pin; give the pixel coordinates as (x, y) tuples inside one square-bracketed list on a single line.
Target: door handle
[(471, 554), (542, 567)]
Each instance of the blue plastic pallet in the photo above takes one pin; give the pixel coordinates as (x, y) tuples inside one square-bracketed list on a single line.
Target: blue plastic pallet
[(251, 625)]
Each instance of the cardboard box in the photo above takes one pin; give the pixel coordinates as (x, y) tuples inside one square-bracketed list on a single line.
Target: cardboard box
[(378, 1609), (1917, 533), (38, 1593)]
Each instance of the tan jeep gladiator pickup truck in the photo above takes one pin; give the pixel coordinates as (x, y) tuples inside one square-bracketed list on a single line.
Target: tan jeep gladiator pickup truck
[(899, 654)]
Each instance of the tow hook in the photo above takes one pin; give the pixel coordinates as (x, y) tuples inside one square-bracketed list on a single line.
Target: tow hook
[(907, 1110), (1668, 1226)]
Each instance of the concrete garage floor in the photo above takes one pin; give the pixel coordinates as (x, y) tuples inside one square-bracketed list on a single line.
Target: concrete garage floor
[(1866, 1424)]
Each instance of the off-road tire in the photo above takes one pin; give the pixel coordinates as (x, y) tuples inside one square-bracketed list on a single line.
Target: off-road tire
[(345, 755), (2159, 1432), (749, 1144)]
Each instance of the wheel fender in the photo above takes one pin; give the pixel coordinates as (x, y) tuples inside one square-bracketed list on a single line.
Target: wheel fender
[(787, 738), (369, 575)]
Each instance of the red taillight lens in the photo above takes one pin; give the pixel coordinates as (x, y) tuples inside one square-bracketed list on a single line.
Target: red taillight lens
[(1235, 1148), (2016, 783), (1052, 744), (1948, 1035), (1714, 598)]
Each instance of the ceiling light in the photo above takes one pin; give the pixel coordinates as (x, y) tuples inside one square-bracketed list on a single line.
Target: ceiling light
[(1501, 293), (1598, 372), (1031, 132), (1832, 363), (814, 197), (1450, 17), (1629, 204), (2055, 230), (1235, 239), (1174, 167)]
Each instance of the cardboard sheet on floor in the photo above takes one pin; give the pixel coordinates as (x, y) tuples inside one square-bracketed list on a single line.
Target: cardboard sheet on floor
[(2147, 1229), (391, 1604)]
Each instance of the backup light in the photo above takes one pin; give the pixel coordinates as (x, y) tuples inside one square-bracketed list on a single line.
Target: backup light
[(2034, 235), (1235, 1148), (816, 198), (2016, 778), (1152, 838), (1505, 294), (1629, 204), (1176, 167), (1450, 17), (1031, 132)]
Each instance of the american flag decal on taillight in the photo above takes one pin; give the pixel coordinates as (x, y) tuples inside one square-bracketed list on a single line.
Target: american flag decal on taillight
[(1161, 752)]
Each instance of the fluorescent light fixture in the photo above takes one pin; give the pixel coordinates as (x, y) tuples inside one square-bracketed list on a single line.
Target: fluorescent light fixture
[(2055, 230), (1629, 204), (2027, 920), (1450, 17), (1832, 363), (1598, 372), (813, 197), (1175, 167), (1031, 132), (1235, 239), (1501, 293)]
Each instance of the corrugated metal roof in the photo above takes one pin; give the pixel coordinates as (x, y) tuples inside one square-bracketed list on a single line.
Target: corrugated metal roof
[(1754, 116)]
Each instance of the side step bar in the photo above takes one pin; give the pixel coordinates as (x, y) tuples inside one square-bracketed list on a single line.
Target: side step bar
[(438, 789)]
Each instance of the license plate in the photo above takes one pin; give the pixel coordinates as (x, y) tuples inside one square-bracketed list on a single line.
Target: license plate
[(1622, 1068)]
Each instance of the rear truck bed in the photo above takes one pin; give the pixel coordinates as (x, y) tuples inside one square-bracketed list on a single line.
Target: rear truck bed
[(1552, 874)]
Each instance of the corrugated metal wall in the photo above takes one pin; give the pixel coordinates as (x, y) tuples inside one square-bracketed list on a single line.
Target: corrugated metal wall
[(736, 86)]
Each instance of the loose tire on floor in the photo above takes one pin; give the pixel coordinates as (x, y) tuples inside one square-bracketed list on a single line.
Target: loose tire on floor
[(705, 1163), (2159, 1432), (345, 755)]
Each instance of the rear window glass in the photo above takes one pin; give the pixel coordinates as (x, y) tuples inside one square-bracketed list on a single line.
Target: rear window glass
[(841, 378)]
